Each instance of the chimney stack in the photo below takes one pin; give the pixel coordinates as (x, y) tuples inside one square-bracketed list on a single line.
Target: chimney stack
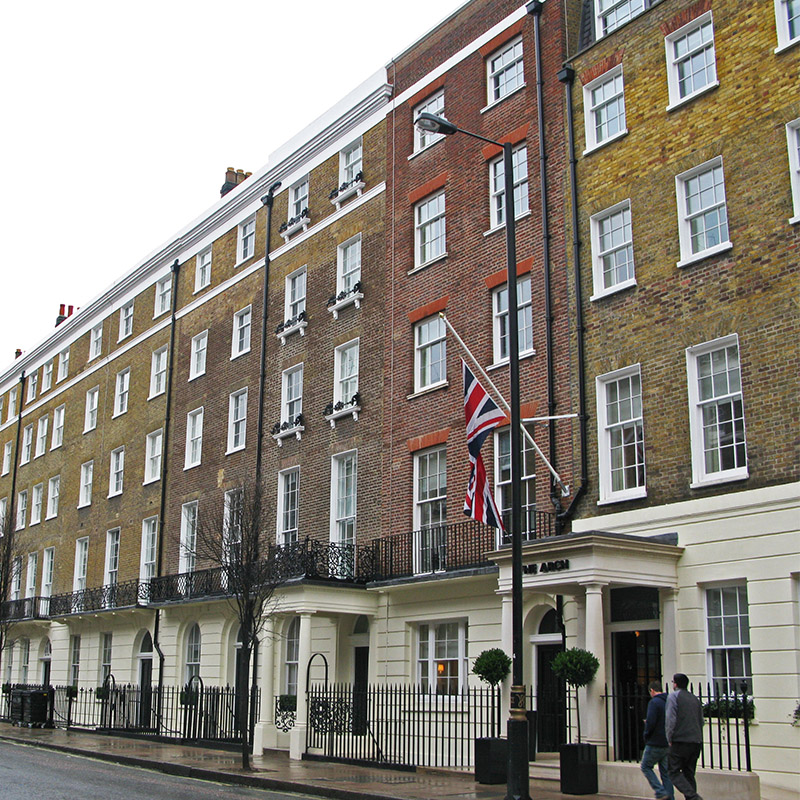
[(233, 177), (17, 353), (64, 312)]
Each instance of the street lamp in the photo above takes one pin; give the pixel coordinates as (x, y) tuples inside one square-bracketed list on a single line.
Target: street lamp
[(517, 725)]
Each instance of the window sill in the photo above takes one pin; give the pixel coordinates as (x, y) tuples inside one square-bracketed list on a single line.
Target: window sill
[(234, 356), (198, 289), (620, 287), (428, 390), (148, 481), (420, 267), (621, 497), (299, 327), (118, 414), (711, 251), (346, 194), (504, 362), (355, 298), (726, 477), (344, 412), (85, 431), (158, 314), (794, 220), (301, 223), (121, 339), (504, 97), (240, 262), (55, 447), (502, 225), (600, 145), (83, 505), (190, 466), (116, 494), (781, 48), (426, 148), (153, 396), (296, 432), (232, 450), (50, 516), (195, 377), (32, 523), (689, 97)]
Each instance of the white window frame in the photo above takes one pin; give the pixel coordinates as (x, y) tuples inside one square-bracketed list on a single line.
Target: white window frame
[(430, 229), (785, 37), (423, 374), (722, 640), (90, 412), (116, 472), (125, 321), (3, 512), (31, 575), (53, 494), (242, 329), (58, 426), (620, 11), (344, 498), (26, 451), (676, 97), (292, 394), (607, 429), (158, 372), (348, 265), (345, 386), (202, 270), (85, 490), (63, 367), (292, 656), (48, 571), (288, 505), (430, 546), (122, 387), (612, 239), (497, 187), (246, 240), (15, 591), (502, 484), (194, 438), (111, 565), (75, 657), (163, 296), (433, 639), (299, 194), (106, 647), (612, 86), (233, 511), (685, 216), (149, 549), (701, 476), (194, 652), (294, 304), (433, 104), (96, 342), (33, 382), (22, 508), (199, 354), (188, 540), (36, 503), (350, 166), (41, 436), (524, 320), (47, 375), (7, 457), (793, 145), (153, 452), (505, 71), (237, 420), (81, 564)]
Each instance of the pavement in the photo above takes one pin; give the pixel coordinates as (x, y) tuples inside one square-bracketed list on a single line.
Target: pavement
[(275, 771)]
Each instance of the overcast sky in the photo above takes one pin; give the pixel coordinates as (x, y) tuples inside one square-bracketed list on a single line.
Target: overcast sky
[(119, 120)]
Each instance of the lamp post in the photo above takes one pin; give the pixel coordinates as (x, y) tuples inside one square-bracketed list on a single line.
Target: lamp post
[(517, 725)]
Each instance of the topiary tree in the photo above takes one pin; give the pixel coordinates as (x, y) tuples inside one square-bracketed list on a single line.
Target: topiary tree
[(577, 668), (492, 666)]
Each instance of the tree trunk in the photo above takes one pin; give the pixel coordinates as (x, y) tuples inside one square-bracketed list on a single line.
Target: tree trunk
[(243, 704)]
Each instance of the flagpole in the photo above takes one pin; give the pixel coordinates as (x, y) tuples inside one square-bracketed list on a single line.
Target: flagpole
[(507, 407)]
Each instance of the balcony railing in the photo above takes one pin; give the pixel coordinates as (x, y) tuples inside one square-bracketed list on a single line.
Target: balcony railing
[(27, 608), (100, 598)]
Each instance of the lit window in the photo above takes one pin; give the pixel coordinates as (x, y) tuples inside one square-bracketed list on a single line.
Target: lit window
[(702, 212), (716, 406), (197, 365), (85, 492), (47, 376), (121, 389), (240, 341), (126, 321), (430, 354), (728, 622), (787, 15), (158, 372), (298, 199), (41, 436), (524, 321), (610, 14), (430, 510), (442, 663), (116, 472), (504, 69), (188, 554), (96, 341), (292, 396), (620, 433), (90, 414), (53, 492), (152, 459), (604, 103), (202, 270), (58, 427), (288, 503), (237, 420), (193, 647), (350, 163), (163, 296), (194, 438), (33, 382), (63, 367), (497, 188), (691, 63), (612, 249), (429, 216), (433, 105), (36, 503), (793, 140), (502, 480), (247, 240), (27, 444), (147, 565)]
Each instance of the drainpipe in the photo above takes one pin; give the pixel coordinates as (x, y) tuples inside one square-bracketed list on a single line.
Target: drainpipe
[(567, 76), (164, 458), (534, 8)]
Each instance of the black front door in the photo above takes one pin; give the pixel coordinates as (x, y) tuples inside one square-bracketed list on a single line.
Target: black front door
[(146, 690), (360, 680), (551, 701), (637, 661)]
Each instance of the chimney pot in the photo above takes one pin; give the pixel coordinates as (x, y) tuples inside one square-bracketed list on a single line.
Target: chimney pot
[(17, 353)]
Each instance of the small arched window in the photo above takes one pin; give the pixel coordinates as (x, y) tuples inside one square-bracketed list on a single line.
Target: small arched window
[(193, 653)]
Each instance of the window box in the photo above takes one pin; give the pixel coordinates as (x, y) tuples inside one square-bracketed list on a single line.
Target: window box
[(334, 411), (291, 226), (292, 325), (337, 302), (347, 190), (282, 430)]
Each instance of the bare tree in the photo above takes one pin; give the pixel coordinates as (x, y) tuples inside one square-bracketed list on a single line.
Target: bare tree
[(231, 537), (9, 578)]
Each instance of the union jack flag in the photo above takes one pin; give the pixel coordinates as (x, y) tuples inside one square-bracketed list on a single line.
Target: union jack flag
[(482, 414)]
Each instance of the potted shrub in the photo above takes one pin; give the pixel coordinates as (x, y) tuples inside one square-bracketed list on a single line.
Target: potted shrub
[(491, 753), (102, 693), (577, 669)]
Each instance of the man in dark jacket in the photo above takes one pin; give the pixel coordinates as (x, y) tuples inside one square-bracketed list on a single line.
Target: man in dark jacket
[(656, 747), (684, 726)]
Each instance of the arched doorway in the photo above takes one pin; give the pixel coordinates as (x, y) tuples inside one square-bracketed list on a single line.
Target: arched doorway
[(551, 697), (146, 681), (44, 661)]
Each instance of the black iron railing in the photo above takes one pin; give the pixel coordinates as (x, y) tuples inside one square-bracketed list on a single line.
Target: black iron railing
[(99, 598), (27, 608)]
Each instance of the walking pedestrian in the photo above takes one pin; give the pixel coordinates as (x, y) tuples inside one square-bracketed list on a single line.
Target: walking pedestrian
[(656, 746), (684, 728)]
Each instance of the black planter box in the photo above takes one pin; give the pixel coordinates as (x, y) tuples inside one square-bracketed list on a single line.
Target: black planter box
[(578, 769), (491, 760)]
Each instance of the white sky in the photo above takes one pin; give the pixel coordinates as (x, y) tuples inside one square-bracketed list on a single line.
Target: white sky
[(119, 120)]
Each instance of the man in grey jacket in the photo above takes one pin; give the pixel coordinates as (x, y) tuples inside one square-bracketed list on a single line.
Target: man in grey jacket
[(684, 727)]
